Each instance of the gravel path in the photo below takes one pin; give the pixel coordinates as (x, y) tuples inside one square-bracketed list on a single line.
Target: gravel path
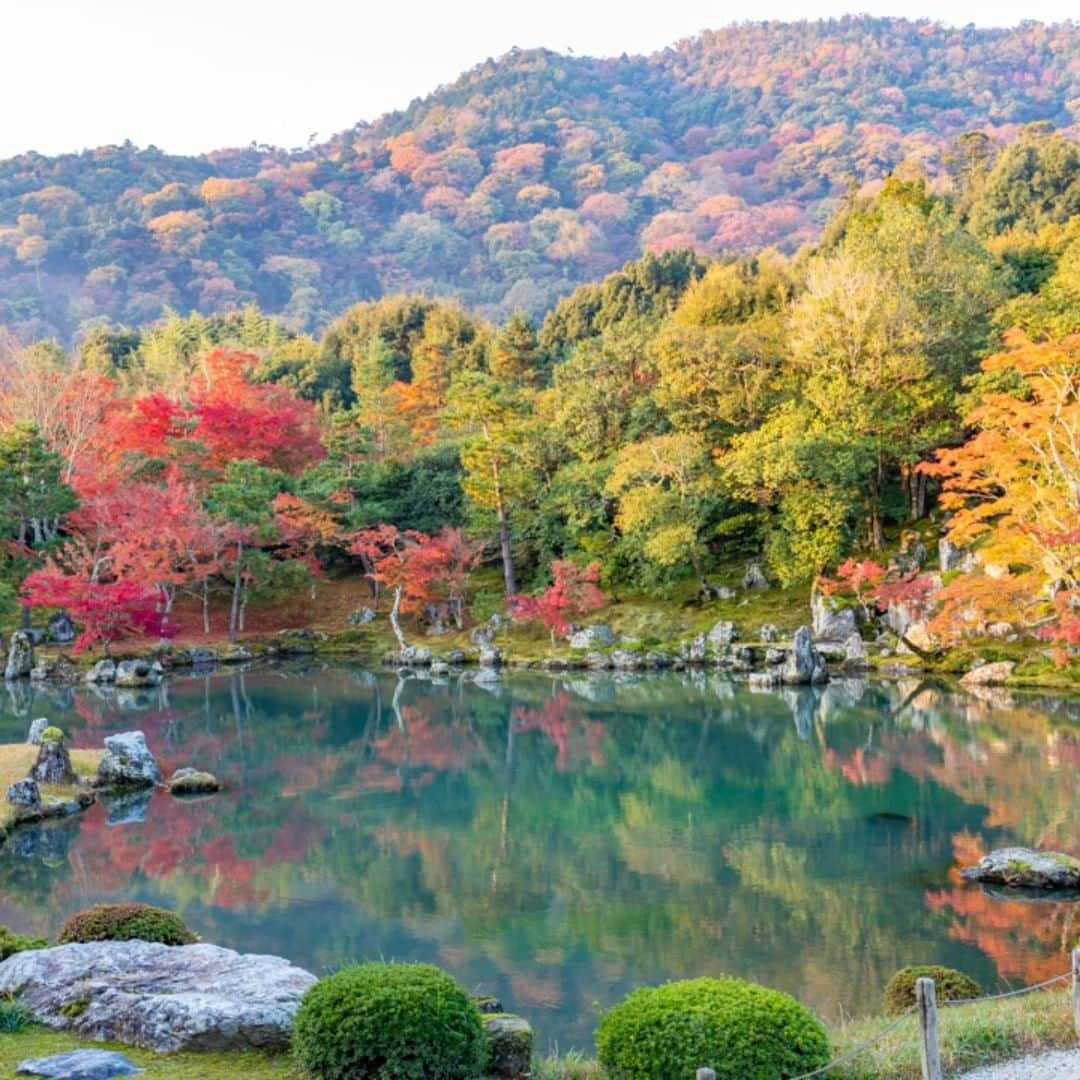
[(1057, 1065)]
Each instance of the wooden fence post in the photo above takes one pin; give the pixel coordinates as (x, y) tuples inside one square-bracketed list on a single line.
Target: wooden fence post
[(708, 1074), (929, 1050), (1076, 990)]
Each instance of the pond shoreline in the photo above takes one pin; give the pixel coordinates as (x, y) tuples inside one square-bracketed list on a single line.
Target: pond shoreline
[(749, 658)]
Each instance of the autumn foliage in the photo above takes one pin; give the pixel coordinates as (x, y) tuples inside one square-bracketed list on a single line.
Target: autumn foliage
[(573, 591), (1012, 494)]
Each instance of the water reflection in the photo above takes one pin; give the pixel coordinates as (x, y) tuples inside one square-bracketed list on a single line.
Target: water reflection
[(558, 840)]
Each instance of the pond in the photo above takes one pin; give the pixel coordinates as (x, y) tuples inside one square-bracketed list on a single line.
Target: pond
[(557, 840)]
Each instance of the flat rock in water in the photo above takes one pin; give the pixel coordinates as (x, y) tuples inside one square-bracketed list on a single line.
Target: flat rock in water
[(160, 997), (1023, 868), (79, 1065)]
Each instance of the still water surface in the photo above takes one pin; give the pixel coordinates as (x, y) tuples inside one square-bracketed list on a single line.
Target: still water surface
[(556, 841)]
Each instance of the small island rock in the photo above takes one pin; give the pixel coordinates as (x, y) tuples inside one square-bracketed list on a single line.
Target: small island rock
[(1026, 869), (189, 781)]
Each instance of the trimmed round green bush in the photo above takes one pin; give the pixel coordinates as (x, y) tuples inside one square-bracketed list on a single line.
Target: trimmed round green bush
[(734, 1027), (949, 985), (126, 922), (391, 1021)]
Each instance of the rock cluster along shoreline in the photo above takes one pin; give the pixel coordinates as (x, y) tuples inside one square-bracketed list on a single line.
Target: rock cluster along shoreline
[(768, 662), (126, 769)]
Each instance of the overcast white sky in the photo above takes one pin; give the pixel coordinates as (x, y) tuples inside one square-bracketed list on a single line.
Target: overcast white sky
[(194, 75)]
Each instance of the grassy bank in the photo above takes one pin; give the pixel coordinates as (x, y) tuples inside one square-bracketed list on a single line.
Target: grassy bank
[(17, 759), (971, 1035)]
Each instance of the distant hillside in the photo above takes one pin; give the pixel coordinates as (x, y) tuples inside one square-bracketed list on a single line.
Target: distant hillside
[(526, 177)]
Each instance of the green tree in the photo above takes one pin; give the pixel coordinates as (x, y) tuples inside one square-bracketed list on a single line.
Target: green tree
[(1034, 181), (241, 502), (666, 490), (33, 497), (490, 419)]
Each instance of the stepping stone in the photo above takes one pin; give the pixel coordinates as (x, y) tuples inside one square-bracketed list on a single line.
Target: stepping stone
[(79, 1065)]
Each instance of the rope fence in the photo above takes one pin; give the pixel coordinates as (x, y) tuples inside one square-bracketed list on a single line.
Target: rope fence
[(926, 1008)]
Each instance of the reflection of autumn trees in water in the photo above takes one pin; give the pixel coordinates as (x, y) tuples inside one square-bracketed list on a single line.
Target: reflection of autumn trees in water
[(559, 840)]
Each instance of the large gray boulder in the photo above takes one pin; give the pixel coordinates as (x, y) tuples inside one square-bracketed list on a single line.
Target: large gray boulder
[(1023, 868), (490, 657), (804, 664), (830, 621), (79, 1065), (25, 795), (996, 674), (160, 997), (855, 654), (599, 636), (61, 628), (20, 657), (723, 633), (360, 617), (755, 578), (138, 673), (104, 671), (128, 762), (37, 729)]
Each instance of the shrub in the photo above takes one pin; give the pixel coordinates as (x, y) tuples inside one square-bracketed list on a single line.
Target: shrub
[(393, 1021), (11, 943), (736, 1028), (949, 985), (126, 922), (14, 1015)]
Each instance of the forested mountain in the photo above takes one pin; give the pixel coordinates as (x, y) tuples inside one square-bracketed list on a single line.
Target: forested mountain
[(528, 176)]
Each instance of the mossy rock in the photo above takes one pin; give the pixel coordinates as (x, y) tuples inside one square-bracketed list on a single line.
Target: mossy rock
[(949, 985), (510, 1045), (52, 734)]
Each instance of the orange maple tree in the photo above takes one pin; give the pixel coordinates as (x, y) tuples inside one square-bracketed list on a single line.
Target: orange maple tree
[(1013, 491)]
